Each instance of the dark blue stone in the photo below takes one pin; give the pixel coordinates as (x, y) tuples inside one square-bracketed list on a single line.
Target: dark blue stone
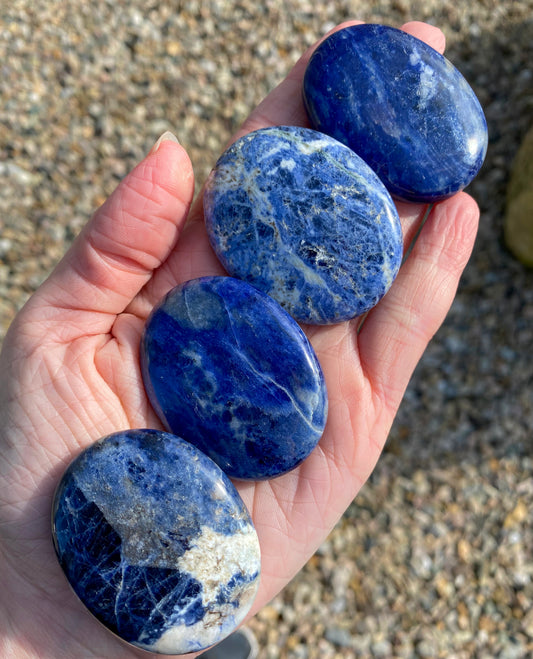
[(299, 215), (231, 372), (402, 106), (156, 542)]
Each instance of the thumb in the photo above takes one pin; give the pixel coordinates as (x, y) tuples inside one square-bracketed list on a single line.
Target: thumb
[(127, 238)]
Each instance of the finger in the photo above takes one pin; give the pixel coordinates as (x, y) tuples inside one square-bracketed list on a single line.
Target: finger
[(428, 33), (411, 218), (397, 331), (128, 237)]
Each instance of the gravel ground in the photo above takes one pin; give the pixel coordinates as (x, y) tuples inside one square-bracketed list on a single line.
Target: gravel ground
[(435, 556)]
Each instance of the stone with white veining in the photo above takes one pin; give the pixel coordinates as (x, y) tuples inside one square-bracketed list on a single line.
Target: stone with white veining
[(402, 106), (226, 368), (156, 542), (302, 217)]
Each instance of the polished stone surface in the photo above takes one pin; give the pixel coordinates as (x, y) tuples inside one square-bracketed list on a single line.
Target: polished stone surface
[(402, 106), (156, 542), (299, 215), (228, 370)]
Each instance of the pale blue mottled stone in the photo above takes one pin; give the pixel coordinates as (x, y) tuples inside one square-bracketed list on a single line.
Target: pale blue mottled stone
[(402, 106), (156, 542), (299, 215)]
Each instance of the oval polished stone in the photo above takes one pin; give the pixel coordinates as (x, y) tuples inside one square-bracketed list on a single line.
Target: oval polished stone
[(402, 106), (156, 542), (231, 372), (299, 215)]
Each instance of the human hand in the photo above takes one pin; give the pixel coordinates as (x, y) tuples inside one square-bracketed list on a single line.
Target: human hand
[(70, 375)]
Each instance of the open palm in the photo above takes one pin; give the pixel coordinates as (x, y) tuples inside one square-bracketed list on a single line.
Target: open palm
[(70, 375)]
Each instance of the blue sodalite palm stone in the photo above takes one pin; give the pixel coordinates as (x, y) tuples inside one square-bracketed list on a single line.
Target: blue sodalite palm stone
[(299, 215), (402, 106), (227, 369), (156, 542)]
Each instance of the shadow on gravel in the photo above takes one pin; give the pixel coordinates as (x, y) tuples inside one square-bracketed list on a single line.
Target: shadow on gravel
[(472, 393)]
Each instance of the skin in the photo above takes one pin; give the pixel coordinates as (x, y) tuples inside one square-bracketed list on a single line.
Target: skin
[(70, 375)]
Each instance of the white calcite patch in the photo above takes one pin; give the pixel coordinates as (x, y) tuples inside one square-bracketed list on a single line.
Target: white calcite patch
[(427, 87), (216, 557), (213, 561), (288, 163)]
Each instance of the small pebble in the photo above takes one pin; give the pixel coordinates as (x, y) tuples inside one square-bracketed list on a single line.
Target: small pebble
[(518, 226)]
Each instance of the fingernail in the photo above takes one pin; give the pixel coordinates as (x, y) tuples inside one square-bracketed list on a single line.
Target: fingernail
[(167, 136)]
